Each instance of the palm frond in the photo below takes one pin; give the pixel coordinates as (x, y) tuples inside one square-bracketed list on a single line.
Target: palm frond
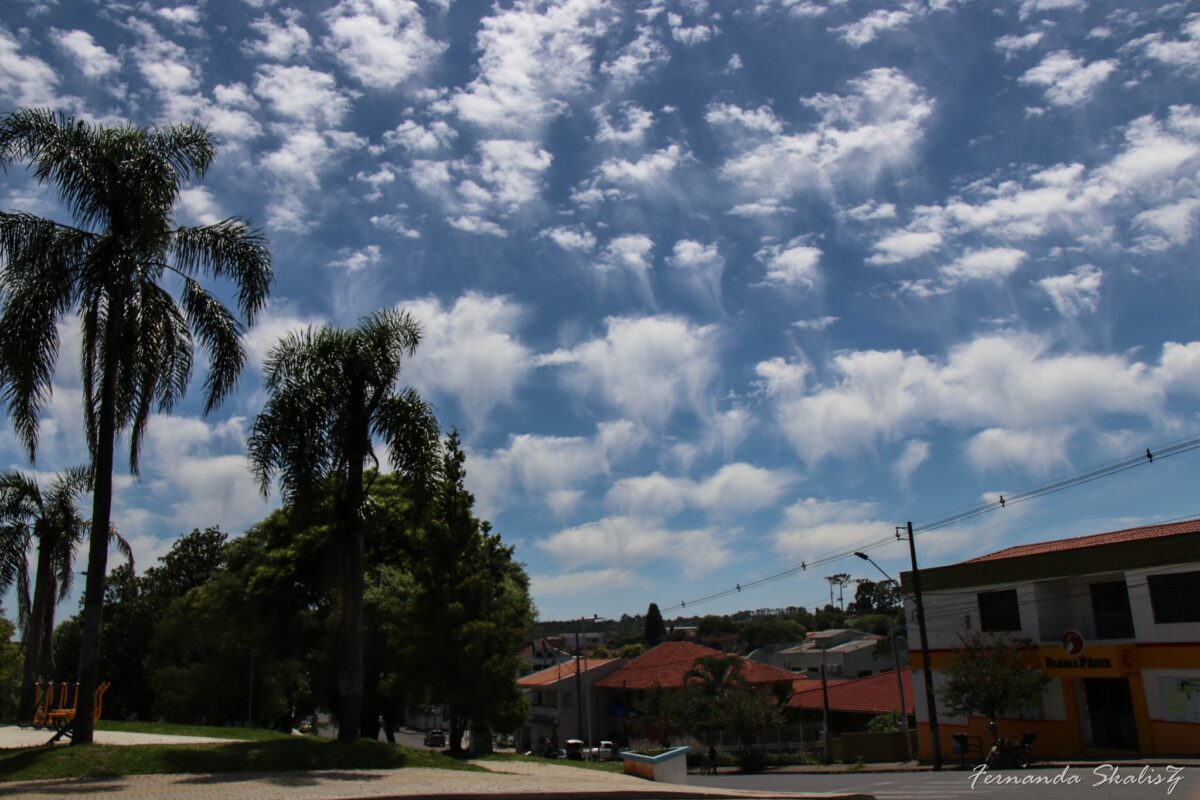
[(189, 149), (40, 262), (228, 249), (221, 335), (409, 427)]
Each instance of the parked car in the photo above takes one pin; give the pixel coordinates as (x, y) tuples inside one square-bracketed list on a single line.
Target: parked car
[(435, 738), (607, 751), (574, 748)]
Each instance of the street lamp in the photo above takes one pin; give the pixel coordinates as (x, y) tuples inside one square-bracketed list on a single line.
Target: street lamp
[(895, 661)]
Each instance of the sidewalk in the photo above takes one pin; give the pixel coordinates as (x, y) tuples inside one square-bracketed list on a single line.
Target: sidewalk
[(502, 781), (953, 766)]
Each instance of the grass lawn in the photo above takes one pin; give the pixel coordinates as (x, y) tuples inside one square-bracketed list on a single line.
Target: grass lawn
[(601, 766), (171, 729), (282, 753)]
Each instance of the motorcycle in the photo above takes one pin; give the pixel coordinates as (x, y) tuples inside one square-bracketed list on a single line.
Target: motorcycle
[(1009, 752)]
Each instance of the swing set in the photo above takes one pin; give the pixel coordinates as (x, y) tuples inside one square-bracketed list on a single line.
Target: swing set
[(55, 707)]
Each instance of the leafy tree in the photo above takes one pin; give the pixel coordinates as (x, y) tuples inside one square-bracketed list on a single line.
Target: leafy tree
[(875, 597), (632, 650), (10, 669), (770, 630), (330, 390), (828, 617), (747, 712), (120, 184), (468, 613), (601, 652), (51, 520), (664, 715), (655, 630), (884, 723), (989, 676)]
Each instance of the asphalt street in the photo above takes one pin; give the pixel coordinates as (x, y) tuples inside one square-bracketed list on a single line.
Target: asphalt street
[(1077, 782)]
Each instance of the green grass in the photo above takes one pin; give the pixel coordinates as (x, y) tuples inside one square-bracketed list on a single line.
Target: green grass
[(285, 754), (171, 729), (601, 766)]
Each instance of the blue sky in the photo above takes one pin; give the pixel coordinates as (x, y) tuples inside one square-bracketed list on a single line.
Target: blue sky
[(709, 288)]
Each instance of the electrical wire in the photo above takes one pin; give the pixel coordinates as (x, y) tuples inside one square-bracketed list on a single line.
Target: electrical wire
[(1167, 450)]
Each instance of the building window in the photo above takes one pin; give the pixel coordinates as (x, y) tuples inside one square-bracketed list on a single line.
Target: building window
[(1110, 606), (1175, 597), (998, 611)]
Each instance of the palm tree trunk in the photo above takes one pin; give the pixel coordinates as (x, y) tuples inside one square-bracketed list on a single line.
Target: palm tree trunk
[(352, 634), (93, 596), (35, 637)]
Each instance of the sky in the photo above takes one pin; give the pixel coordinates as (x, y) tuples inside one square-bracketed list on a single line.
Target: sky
[(710, 289)]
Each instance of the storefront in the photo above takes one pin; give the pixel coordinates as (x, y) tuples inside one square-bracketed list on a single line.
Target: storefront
[(1121, 647)]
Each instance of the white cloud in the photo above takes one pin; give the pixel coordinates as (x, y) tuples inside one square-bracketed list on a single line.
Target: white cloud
[(630, 252), (868, 28), (905, 245), (1036, 451), (396, 224), (1009, 380), (761, 119), (301, 94), (636, 59), (1172, 221), (735, 489), (630, 542), (1182, 53), (381, 44), (813, 527), (816, 324), (92, 59), (876, 125), (793, 264), (650, 170), (871, 211), (916, 452), (179, 15), (646, 367), (358, 260), (1076, 292), (25, 80), (196, 206), (688, 35), (1069, 81), (417, 138), (469, 223), (575, 237), (305, 153), (1012, 46), (1030, 7), (632, 124), (275, 322), (280, 42), (761, 208), (701, 265), (376, 180), (990, 264), (470, 351), (590, 581), (533, 57), (546, 466), (514, 169)]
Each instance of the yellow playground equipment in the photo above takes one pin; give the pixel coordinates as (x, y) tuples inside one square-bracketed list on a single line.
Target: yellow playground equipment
[(55, 704)]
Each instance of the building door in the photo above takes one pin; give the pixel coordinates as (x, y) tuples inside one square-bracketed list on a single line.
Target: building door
[(1110, 713)]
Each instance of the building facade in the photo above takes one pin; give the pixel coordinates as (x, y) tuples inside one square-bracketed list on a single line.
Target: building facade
[(846, 653), (1113, 620)]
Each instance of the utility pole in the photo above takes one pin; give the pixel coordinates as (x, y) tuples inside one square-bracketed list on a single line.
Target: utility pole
[(825, 711), (900, 686), (578, 686), (930, 703)]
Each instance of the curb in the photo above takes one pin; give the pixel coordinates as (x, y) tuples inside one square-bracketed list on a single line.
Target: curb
[(626, 794)]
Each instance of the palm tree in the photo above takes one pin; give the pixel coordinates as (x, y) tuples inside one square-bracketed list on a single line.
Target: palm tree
[(332, 390), (120, 185), (714, 674), (50, 519)]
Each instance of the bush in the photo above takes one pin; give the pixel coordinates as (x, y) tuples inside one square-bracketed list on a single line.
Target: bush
[(885, 723)]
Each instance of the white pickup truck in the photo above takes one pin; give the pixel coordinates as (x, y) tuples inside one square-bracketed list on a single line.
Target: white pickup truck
[(607, 751)]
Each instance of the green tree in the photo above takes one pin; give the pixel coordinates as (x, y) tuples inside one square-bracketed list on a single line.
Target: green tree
[(468, 614), (330, 391), (655, 630), (10, 669), (990, 675), (770, 630), (51, 520), (632, 650), (664, 715), (120, 185), (747, 712)]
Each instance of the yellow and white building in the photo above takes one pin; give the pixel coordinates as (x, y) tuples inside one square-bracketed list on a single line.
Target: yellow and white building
[(1112, 619)]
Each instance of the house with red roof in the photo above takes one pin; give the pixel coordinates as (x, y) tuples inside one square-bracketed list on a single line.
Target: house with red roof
[(556, 695), (666, 666), (1112, 619), (855, 702)]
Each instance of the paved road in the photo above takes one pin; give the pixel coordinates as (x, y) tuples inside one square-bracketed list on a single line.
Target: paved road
[(958, 785)]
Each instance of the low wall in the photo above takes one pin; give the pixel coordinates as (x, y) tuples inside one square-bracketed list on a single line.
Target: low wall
[(873, 747), (666, 767)]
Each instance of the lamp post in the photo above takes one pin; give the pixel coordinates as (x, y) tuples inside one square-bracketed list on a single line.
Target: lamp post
[(895, 662)]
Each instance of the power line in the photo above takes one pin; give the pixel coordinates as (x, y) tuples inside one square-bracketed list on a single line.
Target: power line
[(1167, 450)]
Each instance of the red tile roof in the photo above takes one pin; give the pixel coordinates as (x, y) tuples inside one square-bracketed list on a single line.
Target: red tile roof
[(874, 694), (666, 664), (1095, 540), (552, 675)]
